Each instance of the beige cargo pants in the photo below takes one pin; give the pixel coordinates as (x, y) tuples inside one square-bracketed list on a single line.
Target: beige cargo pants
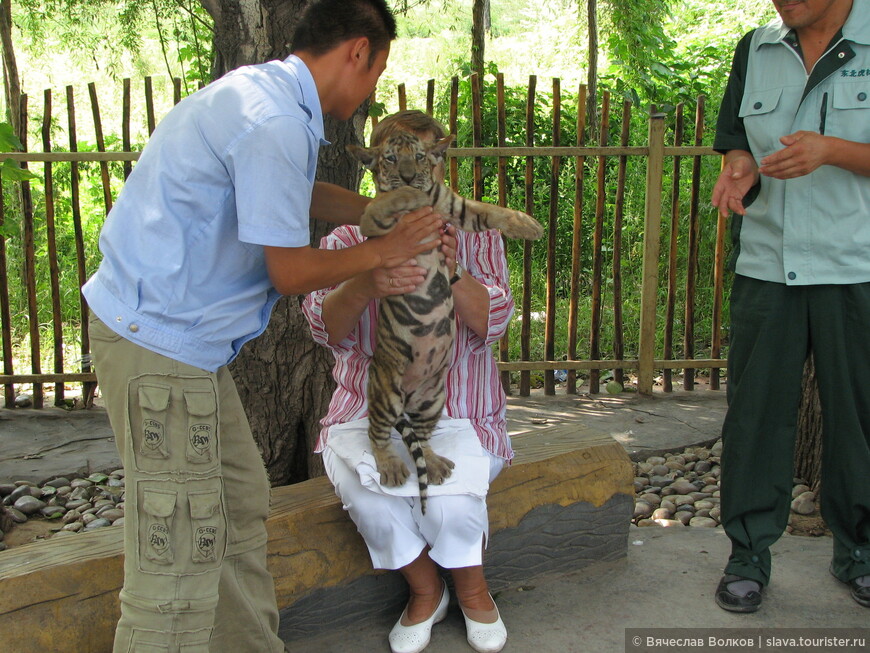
[(197, 497)]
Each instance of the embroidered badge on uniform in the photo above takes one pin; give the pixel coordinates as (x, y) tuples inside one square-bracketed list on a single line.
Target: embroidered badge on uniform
[(206, 536), (158, 538), (153, 431), (200, 438)]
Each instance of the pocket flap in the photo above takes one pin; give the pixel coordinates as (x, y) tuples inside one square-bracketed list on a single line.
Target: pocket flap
[(154, 397), (200, 402), (159, 503), (760, 102), (204, 504), (852, 96)]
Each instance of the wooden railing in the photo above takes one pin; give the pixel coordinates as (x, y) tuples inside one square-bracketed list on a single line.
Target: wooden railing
[(653, 349)]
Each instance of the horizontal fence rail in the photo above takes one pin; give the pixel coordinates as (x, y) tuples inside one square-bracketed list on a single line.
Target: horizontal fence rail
[(617, 283)]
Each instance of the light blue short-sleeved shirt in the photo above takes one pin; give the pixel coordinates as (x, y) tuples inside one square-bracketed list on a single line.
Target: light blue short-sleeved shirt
[(228, 170)]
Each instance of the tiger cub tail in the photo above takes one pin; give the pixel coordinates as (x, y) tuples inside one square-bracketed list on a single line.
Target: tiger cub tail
[(415, 447)]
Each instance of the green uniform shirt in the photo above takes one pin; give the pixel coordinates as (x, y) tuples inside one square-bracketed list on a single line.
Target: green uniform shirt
[(813, 229)]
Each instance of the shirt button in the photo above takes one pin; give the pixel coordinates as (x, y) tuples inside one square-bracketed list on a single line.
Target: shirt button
[(134, 328), (840, 55), (862, 96), (118, 318), (757, 105), (754, 558), (792, 276)]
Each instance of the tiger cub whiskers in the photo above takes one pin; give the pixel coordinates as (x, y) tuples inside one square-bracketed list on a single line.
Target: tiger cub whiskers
[(415, 331)]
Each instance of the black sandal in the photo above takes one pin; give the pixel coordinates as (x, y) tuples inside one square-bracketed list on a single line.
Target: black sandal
[(727, 600)]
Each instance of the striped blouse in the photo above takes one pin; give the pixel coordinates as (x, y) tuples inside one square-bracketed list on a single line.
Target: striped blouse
[(474, 388)]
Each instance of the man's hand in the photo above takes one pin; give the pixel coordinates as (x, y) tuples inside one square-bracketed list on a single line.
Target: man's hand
[(416, 232), (739, 174), (803, 152)]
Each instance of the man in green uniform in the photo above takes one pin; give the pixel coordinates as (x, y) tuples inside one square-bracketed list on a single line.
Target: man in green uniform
[(795, 130)]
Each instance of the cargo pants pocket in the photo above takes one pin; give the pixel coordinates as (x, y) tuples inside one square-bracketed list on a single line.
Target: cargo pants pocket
[(207, 528), (139, 642), (154, 404), (156, 533), (201, 426)]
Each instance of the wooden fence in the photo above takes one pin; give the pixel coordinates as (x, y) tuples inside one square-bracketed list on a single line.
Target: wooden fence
[(670, 258)]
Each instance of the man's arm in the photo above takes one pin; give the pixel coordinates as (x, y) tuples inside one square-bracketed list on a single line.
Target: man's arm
[(806, 151), (337, 205), (298, 270)]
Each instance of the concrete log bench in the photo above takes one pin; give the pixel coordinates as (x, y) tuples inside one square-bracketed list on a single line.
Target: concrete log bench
[(565, 503)]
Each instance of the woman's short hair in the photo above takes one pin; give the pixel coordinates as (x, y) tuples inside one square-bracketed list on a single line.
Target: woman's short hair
[(328, 23)]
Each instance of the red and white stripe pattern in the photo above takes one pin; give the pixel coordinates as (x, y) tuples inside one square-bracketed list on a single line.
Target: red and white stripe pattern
[(474, 388)]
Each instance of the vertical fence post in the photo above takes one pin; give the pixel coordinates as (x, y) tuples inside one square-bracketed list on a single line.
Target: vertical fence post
[(618, 214), (552, 231), (597, 244), (88, 387), (526, 327), (430, 97), (51, 245), (651, 246), (5, 313), (504, 343), (576, 241), (28, 237), (694, 238), (149, 106), (673, 253)]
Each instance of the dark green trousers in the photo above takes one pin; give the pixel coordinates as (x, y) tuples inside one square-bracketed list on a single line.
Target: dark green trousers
[(773, 329)]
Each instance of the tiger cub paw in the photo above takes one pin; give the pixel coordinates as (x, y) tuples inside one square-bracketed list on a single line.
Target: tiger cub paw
[(522, 226), (392, 470), (438, 469), (380, 216)]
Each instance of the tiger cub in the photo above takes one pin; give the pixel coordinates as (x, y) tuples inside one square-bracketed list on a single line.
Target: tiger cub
[(415, 331)]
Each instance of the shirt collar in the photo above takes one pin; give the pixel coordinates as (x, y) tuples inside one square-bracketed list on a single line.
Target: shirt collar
[(310, 102)]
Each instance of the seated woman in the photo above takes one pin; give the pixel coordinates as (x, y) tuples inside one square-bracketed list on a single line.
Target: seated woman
[(453, 531)]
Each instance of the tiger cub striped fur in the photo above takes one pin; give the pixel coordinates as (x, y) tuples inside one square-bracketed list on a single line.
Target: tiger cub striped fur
[(415, 331)]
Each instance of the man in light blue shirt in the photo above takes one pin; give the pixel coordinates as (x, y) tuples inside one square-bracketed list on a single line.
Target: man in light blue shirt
[(210, 228), (795, 130)]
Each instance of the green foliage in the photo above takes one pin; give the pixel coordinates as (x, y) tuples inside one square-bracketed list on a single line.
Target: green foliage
[(9, 169), (106, 33)]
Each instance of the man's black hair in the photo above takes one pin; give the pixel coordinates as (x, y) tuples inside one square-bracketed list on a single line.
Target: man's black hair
[(327, 23)]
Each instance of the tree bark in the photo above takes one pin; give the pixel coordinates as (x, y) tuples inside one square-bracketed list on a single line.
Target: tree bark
[(592, 73), (478, 36), (283, 377), (10, 70), (808, 448)]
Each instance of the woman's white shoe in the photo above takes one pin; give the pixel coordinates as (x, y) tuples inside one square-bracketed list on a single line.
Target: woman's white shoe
[(413, 639), (485, 638)]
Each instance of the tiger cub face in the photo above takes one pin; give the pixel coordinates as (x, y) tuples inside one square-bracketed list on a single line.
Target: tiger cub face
[(405, 160)]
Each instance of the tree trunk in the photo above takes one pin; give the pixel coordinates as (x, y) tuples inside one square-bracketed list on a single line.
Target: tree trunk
[(592, 73), (808, 448), (10, 70), (283, 377), (478, 36)]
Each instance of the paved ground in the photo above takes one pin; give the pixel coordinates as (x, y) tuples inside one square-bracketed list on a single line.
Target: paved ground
[(665, 584)]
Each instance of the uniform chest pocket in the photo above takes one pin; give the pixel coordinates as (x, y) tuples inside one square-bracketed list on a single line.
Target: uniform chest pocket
[(846, 118), (761, 120)]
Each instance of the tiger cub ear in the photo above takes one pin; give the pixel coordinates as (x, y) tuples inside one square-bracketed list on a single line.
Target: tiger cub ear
[(439, 147), (368, 155)]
